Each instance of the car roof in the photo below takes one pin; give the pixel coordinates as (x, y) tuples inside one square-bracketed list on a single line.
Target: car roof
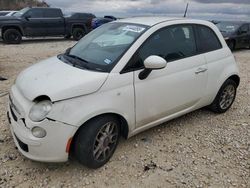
[(234, 22), (81, 13), (150, 21)]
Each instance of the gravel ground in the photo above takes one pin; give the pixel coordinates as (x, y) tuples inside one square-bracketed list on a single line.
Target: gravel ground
[(200, 149)]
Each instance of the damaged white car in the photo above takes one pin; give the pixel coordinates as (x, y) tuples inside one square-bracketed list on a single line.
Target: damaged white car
[(122, 78)]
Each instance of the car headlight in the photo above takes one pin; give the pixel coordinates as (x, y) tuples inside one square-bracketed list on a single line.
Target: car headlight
[(226, 38), (40, 110)]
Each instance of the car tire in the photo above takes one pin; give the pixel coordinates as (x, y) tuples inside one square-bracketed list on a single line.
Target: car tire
[(78, 33), (96, 141), (225, 97), (231, 45), (12, 36), (67, 36)]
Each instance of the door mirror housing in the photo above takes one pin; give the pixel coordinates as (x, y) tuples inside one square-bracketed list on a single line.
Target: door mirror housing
[(155, 62)]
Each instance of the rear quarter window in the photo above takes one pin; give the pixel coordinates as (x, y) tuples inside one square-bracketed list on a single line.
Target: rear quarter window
[(207, 39)]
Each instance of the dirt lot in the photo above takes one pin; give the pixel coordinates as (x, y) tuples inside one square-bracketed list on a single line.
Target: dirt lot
[(200, 149)]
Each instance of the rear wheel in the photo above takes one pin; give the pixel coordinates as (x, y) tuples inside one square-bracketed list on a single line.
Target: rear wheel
[(225, 97), (12, 36), (78, 33), (67, 36), (96, 141)]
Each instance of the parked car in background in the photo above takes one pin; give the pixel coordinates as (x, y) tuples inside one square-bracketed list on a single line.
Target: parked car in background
[(81, 18), (236, 34), (121, 79), (4, 13), (111, 17), (11, 13), (97, 22), (7, 13), (41, 22)]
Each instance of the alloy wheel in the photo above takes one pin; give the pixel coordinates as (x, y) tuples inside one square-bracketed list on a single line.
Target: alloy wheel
[(227, 97), (105, 141)]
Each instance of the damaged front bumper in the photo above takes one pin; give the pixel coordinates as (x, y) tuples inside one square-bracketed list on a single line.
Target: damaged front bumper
[(51, 148)]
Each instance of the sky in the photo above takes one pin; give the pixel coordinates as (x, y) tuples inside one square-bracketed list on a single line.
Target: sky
[(203, 9)]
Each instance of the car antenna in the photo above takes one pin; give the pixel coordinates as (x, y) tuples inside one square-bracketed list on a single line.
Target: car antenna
[(185, 14)]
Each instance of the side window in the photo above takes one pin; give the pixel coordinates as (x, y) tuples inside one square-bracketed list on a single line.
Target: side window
[(35, 13), (208, 40), (52, 13), (171, 43)]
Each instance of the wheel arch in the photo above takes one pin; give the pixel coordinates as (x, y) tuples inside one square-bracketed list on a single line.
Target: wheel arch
[(78, 25), (6, 27), (235, 78), (124, 126)]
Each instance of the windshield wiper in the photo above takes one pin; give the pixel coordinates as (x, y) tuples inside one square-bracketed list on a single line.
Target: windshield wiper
[(76, 57), (77, 61)]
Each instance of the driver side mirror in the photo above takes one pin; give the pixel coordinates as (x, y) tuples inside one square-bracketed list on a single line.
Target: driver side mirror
[(153, 62)]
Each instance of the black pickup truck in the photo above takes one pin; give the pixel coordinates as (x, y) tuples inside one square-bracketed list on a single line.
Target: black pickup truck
[(41, 22)]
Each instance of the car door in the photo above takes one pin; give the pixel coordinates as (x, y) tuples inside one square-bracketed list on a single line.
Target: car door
[(34, 24), (54, 22), (243, 36), (177, 87)]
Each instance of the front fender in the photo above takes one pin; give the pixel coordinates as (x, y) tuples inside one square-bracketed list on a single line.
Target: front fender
[(111, 98), (13, 25)]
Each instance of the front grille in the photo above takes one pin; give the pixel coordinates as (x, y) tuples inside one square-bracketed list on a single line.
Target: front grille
[(22, 145)]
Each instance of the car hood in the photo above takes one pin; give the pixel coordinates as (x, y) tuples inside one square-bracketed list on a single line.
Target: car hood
[(58, 80), (8, 18)]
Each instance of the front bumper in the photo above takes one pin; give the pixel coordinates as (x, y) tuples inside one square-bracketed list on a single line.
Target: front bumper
[(51, 148)]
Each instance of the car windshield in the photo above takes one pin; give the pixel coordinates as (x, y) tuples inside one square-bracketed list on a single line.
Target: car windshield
[(227, 27), (21, 12), (102, 48)]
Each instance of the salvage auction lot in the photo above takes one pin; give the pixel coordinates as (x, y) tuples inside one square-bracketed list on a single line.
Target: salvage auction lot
[(197, 150)]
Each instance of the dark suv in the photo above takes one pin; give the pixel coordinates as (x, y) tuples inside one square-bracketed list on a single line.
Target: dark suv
[(236, 34)]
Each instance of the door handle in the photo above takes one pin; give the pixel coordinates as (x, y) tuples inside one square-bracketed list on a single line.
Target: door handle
[(200, 70)]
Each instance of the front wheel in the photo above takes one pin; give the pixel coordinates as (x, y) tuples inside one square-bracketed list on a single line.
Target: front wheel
[(96, 141), (12, 36), (78, 33), (225, 97)]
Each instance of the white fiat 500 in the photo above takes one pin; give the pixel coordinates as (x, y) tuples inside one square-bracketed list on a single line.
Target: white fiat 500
[(119, 80)]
